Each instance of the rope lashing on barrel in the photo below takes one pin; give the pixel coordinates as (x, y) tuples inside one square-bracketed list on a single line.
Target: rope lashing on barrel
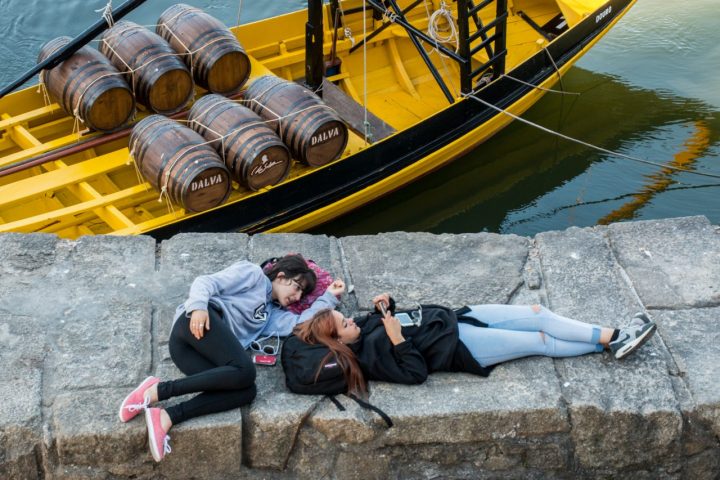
[(278, 118), (138, 173), (473, 96), (42, 89), (107, 13)]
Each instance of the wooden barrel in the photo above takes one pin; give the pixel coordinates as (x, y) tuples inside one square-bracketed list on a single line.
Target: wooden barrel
[(88, 82), (218, 61), (253, 152), (173, 157), (314, 132), (162, 81)]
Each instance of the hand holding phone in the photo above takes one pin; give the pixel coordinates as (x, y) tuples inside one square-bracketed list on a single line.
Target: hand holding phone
[(382, 308)]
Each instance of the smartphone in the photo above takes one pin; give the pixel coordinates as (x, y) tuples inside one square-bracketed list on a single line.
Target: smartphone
[(264, 359), (405, 319), (383, 308)]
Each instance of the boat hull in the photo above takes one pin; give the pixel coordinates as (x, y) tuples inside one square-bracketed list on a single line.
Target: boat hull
[(326, 193)]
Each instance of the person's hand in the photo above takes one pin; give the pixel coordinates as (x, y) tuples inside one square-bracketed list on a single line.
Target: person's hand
[(199, 321), (393, 329), (337, 287), (383, 297)]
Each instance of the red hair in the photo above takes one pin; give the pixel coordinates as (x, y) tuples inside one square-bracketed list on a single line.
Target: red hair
[(321, 329)]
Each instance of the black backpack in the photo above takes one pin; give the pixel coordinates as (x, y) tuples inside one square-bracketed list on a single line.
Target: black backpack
[(300, 362)]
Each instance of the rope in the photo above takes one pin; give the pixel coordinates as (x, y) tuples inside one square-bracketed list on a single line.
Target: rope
[(366, 123), (346, 30), (473, 96), (434, 32), (562, 92), (240, 6), (107, 13)]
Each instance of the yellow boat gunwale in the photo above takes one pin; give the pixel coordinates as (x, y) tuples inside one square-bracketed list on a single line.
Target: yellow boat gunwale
[(391, 47)]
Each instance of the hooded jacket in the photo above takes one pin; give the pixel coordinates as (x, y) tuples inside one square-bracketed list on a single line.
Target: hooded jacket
[(432, 347)]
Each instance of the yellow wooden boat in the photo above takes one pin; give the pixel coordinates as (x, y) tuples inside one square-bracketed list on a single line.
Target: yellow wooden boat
[(419, 82)]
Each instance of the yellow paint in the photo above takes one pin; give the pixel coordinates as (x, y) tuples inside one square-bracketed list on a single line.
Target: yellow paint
[(695, 146), (99, 191)]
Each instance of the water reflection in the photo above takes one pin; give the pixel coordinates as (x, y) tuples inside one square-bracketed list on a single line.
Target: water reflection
[(525, 181)]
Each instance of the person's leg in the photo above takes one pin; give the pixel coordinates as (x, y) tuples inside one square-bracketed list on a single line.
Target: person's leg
[(490, 346), (216, 365), (536, 318)]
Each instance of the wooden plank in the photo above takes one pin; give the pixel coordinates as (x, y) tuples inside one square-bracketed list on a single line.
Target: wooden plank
[(354, 114), (29, 224), (22, 190), (10, 121)]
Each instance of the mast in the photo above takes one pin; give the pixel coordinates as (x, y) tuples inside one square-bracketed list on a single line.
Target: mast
[(314, 64)]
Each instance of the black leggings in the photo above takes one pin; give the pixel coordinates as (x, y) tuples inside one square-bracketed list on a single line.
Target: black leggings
[(216, 365)]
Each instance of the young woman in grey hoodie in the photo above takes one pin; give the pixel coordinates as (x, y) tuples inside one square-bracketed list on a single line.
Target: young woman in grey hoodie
[(223, 314)]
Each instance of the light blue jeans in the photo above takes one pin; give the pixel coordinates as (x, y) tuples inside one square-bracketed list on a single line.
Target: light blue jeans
[(513, 332)]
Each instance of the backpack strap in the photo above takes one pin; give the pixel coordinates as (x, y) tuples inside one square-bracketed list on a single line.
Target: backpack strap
[(375, 409), (336, 402), (462, 318)]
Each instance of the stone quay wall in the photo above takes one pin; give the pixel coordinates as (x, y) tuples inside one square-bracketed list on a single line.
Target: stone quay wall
[(83, 322)]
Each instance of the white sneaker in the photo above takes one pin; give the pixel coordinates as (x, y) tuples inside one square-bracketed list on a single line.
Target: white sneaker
[(633, 335)]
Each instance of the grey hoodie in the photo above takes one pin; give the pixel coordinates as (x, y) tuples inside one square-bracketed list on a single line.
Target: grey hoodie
[(244, 294)]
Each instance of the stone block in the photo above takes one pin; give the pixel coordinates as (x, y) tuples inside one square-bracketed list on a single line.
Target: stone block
[(518, 400), (20, 422), (101, 345), (352, 426), (87, 433), (672, 263), (451, 270), (205, 448), (185, 256), (692, 337), (272, 421), (26, 254), (607, 400)]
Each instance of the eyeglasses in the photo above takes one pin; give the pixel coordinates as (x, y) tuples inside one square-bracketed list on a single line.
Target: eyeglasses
[(257, 345), (296, 284)]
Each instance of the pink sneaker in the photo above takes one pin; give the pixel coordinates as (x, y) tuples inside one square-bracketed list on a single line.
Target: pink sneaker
[(157, 437), (135, 402)]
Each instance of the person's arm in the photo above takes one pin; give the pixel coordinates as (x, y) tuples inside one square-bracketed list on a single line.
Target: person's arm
[(283, 321), (233, 280), (411, 366)]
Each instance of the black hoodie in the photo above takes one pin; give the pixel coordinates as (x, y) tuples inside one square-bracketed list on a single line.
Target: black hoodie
[(433, 346)]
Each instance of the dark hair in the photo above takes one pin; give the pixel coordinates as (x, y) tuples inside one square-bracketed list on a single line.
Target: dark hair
[(294, 266), (321, 329)]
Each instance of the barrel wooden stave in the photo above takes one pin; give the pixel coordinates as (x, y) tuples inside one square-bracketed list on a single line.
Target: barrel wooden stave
[(311, 129), (163, 82), (175, 157), (89, 82), (253, 152), (219, 62)]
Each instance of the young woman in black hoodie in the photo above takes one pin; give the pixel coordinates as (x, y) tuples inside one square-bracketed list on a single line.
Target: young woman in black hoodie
[(472, 339)]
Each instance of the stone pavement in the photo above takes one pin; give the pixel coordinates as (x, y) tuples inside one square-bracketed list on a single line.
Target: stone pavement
[(82, 322)]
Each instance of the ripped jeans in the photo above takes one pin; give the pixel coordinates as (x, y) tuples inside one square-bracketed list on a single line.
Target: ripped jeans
[(516, 331)]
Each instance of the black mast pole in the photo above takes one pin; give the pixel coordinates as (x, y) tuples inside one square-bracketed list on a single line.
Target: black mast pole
[(314, 64), (75, 44)]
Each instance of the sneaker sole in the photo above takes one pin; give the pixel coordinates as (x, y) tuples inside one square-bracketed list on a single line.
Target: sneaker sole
[(639, 341), (151, 437), (122, 404)]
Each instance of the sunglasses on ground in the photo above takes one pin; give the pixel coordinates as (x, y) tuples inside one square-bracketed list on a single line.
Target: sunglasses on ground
[(258, 346)]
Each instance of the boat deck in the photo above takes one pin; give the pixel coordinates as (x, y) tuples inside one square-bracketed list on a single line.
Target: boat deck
[(91, 186)]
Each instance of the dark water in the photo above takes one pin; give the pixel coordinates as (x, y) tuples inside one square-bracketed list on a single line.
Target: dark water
[(649, 90)]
